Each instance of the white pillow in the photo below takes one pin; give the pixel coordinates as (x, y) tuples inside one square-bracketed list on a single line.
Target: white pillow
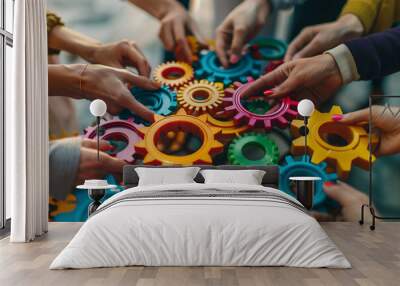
[(248, 177), (166, 176)]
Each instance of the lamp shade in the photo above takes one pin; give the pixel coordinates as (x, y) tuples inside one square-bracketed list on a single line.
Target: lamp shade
[(305, 108), (98, 107)]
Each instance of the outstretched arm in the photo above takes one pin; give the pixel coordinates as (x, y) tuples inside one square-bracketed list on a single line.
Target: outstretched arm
[(119, 54)]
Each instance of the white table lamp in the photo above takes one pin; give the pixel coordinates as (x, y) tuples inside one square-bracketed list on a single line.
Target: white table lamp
[(306, 109), (98, 108)]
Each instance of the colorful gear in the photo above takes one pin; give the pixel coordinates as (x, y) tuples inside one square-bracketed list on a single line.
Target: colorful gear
[(236, 150), (118, 130), (179, 122), (228, 127), (278, 115), (201, 96), (355, 151), (173, 74), (210, 69), (257, 106), (303, 167), (268, 49), (161, 101)]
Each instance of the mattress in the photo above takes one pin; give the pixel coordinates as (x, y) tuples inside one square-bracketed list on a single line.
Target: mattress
[(201, 225)]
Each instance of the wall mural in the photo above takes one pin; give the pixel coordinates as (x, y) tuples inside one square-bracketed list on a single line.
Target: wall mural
[(203, 119)]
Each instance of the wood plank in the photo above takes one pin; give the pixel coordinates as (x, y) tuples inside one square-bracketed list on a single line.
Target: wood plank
[(375, 257)]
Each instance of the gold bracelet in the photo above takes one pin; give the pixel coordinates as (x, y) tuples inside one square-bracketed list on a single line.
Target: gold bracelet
[(80, 76)]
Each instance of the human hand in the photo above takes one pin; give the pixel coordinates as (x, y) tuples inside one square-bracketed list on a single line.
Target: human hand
[(112, 85), (314, 40), (349, 198), (175, 25), (241, 25), (120, 55), (92, 168), (385, 119), (314, 78)]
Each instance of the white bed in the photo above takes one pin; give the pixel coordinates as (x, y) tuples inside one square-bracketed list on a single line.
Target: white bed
[(268, 228)]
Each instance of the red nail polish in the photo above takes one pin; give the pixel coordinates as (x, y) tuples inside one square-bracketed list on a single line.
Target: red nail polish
[(337, 117), (329, 184), (268, 92)]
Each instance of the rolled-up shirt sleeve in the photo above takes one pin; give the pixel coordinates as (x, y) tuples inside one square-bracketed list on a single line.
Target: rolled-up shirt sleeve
[(345, 62), (64, 159)]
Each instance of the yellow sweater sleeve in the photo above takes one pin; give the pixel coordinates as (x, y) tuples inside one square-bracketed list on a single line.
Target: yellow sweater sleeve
[(365, 10)]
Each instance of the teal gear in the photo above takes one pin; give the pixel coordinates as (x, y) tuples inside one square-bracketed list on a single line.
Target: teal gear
[(257, 106), (209, 68), (251, 142), (268, 49), (161, 101), (303, 167)]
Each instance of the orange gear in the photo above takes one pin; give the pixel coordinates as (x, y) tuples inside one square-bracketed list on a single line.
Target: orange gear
[(201, 96), (228, 127), (178, 122), (173, 74), (354, 151)]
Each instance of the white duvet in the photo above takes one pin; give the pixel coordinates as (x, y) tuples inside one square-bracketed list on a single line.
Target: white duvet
[(200, 231)]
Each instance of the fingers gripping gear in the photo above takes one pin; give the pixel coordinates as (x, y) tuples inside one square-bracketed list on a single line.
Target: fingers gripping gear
[(321, 131), (303, 167), (179, 122), (237, 155), (161, 101), (210, 69), (118, 130), (173, 74), (201, 96), (279, 115)]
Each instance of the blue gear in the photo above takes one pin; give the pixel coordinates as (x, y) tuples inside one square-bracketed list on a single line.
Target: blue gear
[(210, 69), (303, 167), (162, 101)]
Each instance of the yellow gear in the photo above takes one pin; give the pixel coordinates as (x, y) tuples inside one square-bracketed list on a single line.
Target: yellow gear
[(178, 122), (355, 151), (173, 74), (228, 127), (201, 96)]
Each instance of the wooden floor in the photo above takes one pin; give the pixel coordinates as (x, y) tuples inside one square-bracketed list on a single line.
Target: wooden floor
[(375, 257)]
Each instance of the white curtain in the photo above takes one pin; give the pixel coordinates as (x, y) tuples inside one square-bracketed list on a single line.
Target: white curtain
[(27, 124)]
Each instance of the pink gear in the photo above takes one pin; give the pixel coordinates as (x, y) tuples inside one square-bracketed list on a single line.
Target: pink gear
[(124, 130), (280, 114)]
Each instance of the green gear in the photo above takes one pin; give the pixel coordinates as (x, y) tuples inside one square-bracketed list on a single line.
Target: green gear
[(237, 150), (257, 106)]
